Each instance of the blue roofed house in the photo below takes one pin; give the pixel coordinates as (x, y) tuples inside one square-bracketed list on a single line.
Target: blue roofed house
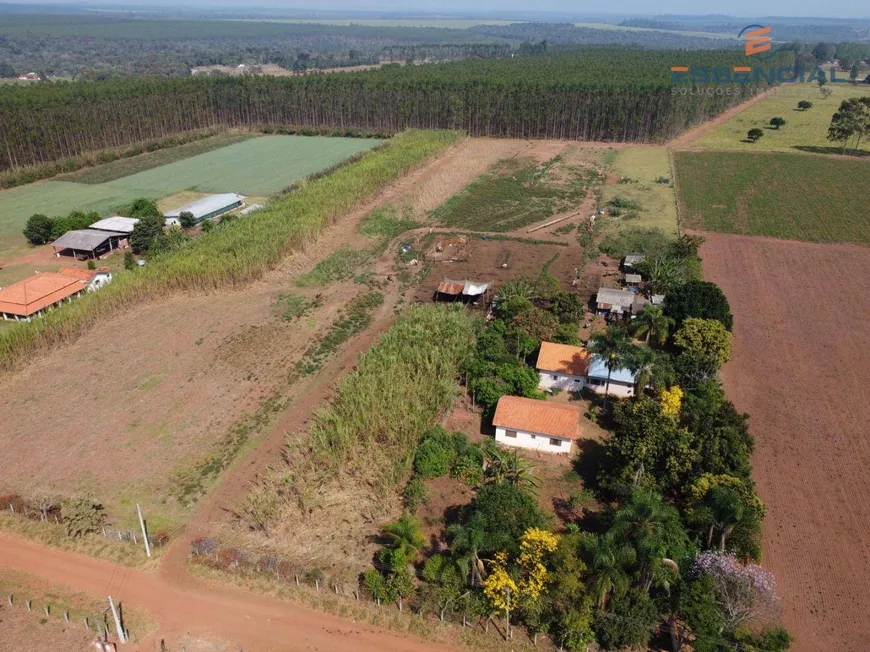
[(621, 380), (561, 366)]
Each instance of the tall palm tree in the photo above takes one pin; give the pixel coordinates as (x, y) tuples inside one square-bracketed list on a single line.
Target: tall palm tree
[(653, 324), (607, 564), (644, 363), (655, 531), (466, 542), (508, 466), (614, 347), (722, 510)]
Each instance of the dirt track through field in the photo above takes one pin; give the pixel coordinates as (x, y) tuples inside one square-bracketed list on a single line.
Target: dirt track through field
[(262, 623), (801, 369)]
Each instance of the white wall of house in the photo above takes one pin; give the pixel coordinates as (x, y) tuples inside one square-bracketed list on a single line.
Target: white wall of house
[(533, 441), (100, 279), (555, 380), (616, 388)]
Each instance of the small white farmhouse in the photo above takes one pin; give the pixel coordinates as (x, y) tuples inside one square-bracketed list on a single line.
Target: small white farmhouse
[(536, 425)]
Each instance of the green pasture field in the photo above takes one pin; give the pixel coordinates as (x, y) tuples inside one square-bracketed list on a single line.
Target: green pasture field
[(515, 193), (126, 166), (658, 205), (259, 166), (811, 198), (627, 28), (804, 130)]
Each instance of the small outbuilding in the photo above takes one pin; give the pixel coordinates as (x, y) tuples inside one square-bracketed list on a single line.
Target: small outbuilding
[(206, 208), (452, 290), (115, 224), (89, 243), (536, 425), (633, 279), (631, 260), (614, 301)]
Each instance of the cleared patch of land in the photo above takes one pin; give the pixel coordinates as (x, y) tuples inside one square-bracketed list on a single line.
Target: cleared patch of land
[(257, 166), (799, 367), (805, 131), (641, 175), (149, 160), (812, 198), (517, 192)]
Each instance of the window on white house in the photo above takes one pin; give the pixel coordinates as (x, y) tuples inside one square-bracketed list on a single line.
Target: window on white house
[(510, 433), (576, 380), (534, 436), (555, 377), (555, 442)]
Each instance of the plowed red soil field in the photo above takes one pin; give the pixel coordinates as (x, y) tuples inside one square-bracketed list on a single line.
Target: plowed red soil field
[(801, 368)]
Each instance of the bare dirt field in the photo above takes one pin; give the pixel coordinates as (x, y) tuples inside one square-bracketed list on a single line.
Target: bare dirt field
[(800, 369), (20, 630)]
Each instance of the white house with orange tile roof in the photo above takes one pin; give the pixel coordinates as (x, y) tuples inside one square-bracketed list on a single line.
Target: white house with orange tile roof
[(536, 425)]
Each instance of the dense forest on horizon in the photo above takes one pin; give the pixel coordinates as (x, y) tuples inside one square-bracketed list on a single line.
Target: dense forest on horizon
[(596, 94), (89, 45)]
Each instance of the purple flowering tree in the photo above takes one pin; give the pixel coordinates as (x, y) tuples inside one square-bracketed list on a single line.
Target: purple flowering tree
[(745, 593)]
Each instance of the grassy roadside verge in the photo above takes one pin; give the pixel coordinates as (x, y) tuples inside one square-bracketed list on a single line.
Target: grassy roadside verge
[(237, 254)]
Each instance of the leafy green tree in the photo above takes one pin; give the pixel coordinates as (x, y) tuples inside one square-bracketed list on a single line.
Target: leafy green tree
[(433, 458), (699, 299), (186, 220), (777, 122), (7, 71), (854, 72), (696, 616), (775, 639), (824, 52), (568, 307), (502, 513), (707, 338), (721, 510), (39, 229), (143, 207), (754, 134), (511, 306), (145, 233), (804, 105), (653, 324), (445, 584), (567, 334), (630, 622), (569, 601), (647, 448), (614, 348), (529, 329), (852, 119), (663, 273), (129, 260)]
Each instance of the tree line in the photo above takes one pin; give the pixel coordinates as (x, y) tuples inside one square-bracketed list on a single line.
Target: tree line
[(613, 95)]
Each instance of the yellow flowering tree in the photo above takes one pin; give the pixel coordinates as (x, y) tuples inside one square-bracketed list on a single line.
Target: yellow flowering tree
[(499, 583), (672, 400)]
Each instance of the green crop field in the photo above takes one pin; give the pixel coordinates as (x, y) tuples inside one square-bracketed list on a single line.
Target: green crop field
[(259, 166), (811, 198), (803, 131), (644, 170)]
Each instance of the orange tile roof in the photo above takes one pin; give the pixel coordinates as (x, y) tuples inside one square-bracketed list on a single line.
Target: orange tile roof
[(530, 415), (563, 358), (37, 292), (76, 272)]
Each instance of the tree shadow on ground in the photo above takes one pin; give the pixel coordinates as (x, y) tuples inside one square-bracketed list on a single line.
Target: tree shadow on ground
[(814, 149), (588, 462)]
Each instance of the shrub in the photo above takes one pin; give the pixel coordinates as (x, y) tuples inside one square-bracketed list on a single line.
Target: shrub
[(129, 260), (81, 516), (415, 494), (433, 458), (468, 467), (186, 220), (754, 134)]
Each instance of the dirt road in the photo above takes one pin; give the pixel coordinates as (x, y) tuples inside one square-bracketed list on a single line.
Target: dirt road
[(262, 623)]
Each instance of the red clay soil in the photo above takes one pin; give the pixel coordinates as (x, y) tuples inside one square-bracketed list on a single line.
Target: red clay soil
[(800, 369), (262, 623)]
